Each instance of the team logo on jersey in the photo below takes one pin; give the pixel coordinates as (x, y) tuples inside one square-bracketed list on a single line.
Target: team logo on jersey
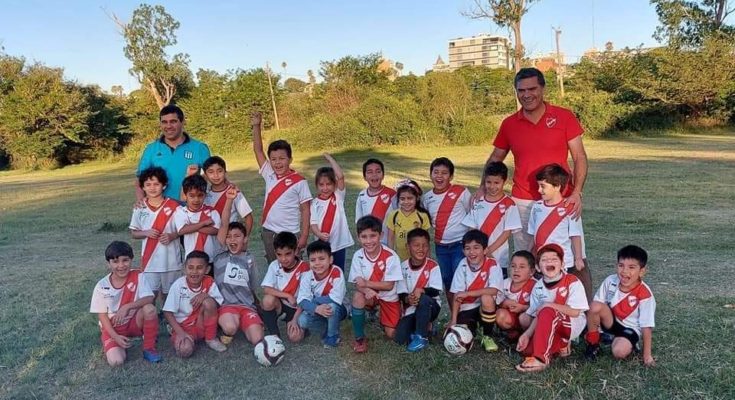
[(333, 201), (526, 296), (167, 211), (483, 275), (632, 300), (381, 265), (206, 212), (563, 292), (501, 208), (188, 155), (550, 122), (452, 195), (131, 286), (384, 198), (561, 211), (288, 182), (426, 274)]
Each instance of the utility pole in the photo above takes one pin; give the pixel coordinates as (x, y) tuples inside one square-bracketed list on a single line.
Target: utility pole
[(273, 97), (559, 66)]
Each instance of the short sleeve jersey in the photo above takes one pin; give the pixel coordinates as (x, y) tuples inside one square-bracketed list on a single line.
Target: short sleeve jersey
[(536, 145), (106, 298), (635, 309), (386, 267), (339, 235), (179, 298), (450, 218), (284, 214), (465, 276), (235, 278), (510, 220), (426, 276), (197, 240), (400, 224), (162, 257), (379, 206), (561, 234), (173, 161), (240, 206), (574, 296), (522, 295), (284, 280), (332, 285)]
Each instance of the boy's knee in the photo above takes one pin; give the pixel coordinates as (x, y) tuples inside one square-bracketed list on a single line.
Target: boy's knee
[(425, 301), (358, 300), (502, 318), (185, 350), (596, 307), (621, 348), (209, 305), (149, 311), (115, 358), (229, 327), (488, 302), (269, 302)]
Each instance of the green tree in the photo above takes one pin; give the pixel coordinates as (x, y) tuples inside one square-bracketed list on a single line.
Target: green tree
[(687, 23), (351, 70), (293, 85)]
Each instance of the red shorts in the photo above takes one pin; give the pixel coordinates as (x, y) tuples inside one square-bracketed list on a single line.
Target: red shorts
[(248, 316), (196, 331), (390, 312), (128, 329), (515, 321)]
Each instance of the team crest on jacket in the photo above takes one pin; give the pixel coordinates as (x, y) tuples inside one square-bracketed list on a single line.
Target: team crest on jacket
[(288, 181), (483, 275), (384, 198), (188, 155), (167, 211), (561, 211), (501, 208), (526, 296), (452, 195), (632, 300), (550, 122), (563, 292), (131, 286), (381, 265)]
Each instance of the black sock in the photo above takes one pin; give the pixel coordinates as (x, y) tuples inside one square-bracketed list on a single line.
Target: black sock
[(487, 321), (270, 319)]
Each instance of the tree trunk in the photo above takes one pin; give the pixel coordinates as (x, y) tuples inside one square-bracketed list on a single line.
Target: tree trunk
[(154, 91)]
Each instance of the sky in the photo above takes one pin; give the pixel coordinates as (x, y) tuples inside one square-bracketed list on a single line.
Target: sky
[(224, 35)]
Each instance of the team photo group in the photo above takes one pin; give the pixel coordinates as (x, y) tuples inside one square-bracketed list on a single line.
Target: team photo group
[(509, 269)]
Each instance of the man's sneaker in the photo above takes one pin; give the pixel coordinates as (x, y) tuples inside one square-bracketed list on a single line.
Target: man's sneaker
[(488, 343), (590, 353), (417, 343), (152, 356), (216, 345), (331, 341), (226, 340), (360, 345)]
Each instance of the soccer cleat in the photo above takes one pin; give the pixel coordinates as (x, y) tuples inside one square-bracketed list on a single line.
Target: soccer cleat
[(360, 345), (417, 343), (590, 353), (152, 356), (216, 345), (331, 341), (488, 344), (226, 340)]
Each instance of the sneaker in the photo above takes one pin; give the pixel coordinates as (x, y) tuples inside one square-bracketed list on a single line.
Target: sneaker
[(488, 344), (331, 341), (417, 343), (226, 340), (360, 345), (216, 345), (590, 353), (606, 338), (152, 356)]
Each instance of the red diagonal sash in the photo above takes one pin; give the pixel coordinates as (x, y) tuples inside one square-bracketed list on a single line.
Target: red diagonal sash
[(328, 220), (220, 204), (445, 210), (278, 190), (480, 279), (333, 274), (379, 266), (293, 284), (382, 202), (192, 318), (630, 302), (130, 288), (562, 288), (525, 293), (550, 223), (425, 274), (166, 211), (202, 237), (496, 215)]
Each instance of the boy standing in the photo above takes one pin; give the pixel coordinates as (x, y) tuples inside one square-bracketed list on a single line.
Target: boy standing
[(377, 199), (215, 170), (197, 222)]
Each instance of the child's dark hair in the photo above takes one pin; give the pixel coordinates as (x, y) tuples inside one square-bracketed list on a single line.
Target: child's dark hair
[(412, 187), (554, 175), (238, 225), (418, 233), (496, 168), (369, 222), (527, 255), (153, 172), (327, 172), (475, 235), (280, 145), (285, 240), (118, 249), (318, 246), (633, 252), (195, 181), (372, 161), (214, 160), (197, 254), (442, 161)]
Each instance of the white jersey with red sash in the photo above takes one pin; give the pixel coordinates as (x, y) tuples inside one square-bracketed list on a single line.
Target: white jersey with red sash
[(285, 281), (108, 299), (427, 276), (378, 205), (332, 285), (179, 299), (329, 215), (635, 309), (494, 218), (488, 275), (552, 224), (386, 267), (240, 206), (157, 257), (521, 296), (283, 196), (198, 240), (569, 291), (447, 210)]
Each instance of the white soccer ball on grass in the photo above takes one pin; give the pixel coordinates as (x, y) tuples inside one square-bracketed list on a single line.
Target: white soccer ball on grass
[(269, 351), (458, 340)]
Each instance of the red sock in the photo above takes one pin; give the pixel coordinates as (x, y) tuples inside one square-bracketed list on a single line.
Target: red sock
[(210, 328), (593, 337), (150, 333)]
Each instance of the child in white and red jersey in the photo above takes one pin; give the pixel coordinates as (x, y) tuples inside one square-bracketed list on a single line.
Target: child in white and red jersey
[(557, 307), (154, 223), (515, 297), (215, 170), (281, 285), (495, 214), (197, 222), (191, 307), (625, 307), (550, 222), (123, 303), (287, 196), (475, 286), (375, 271), (448, 205), (377, 199), (328, 218), (419, 291)]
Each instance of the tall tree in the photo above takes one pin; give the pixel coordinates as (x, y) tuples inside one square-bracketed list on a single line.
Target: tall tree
[(687, 23)]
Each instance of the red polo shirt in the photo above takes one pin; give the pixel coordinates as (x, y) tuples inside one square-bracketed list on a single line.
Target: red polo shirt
[(537, 145)]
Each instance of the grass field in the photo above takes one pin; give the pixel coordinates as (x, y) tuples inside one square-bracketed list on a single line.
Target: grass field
[(674, 196)]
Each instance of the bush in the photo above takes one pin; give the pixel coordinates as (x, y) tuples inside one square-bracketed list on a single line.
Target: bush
[(596, 110), (389, 120), (475, 129)]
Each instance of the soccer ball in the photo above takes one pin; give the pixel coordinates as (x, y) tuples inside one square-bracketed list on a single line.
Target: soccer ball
[(269, 351), (458, 340)]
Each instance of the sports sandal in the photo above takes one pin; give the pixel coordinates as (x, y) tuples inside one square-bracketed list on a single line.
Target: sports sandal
[(531, 364)]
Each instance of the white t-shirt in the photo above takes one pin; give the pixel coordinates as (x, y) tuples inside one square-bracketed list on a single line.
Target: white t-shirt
[(284, 214), (575, 298), (429, 274), (562, 233), (277, 278), (635, 309), (339, 236), (106, 298), (510, 221), (179, 297), (240, 206), (165, 257), (365, 205), (333, 285), (197, 240), (508, 293), (386, 263), (464, 276), (454, 230)]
